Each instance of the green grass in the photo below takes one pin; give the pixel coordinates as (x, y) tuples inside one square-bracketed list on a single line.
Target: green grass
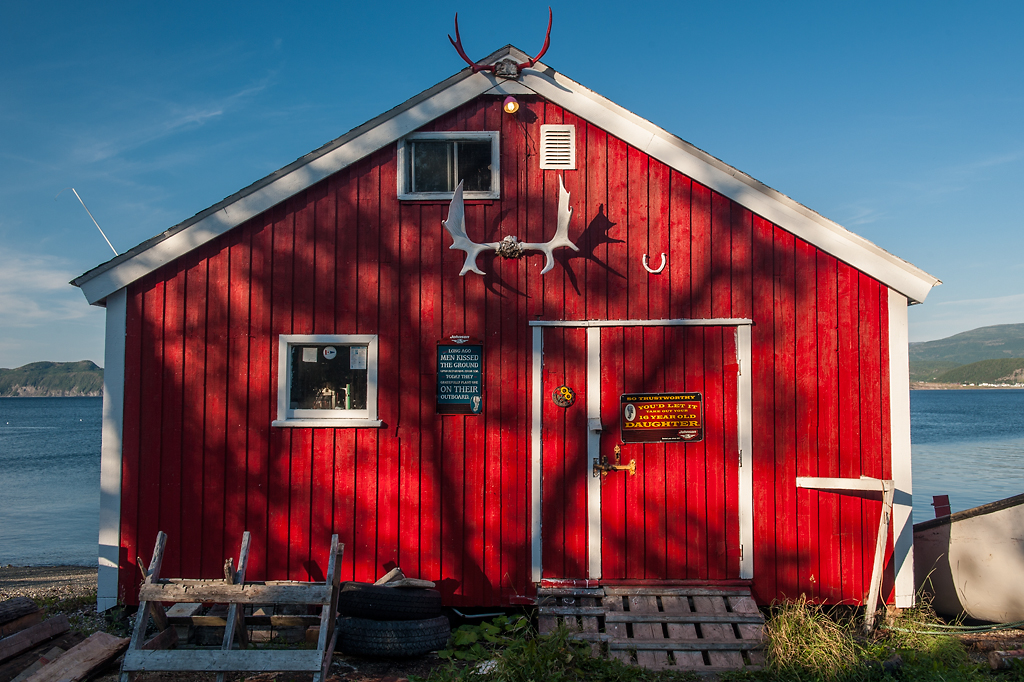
[(805, 643)]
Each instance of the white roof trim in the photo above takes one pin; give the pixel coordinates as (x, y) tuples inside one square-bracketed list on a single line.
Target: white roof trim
[(892, 271)]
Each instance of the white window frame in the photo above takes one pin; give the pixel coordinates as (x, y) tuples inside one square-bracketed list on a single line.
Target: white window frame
[(404, 153), (287, 417)]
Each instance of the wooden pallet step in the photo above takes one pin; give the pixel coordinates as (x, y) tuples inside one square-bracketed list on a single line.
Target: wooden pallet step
[(676, 591), (570, 592), (620, 644), (665, 617), (571, 610)]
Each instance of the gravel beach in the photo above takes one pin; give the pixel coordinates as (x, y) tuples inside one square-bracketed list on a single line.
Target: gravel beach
[(46, 582)]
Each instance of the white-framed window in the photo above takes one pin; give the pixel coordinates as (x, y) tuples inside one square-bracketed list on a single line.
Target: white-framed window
[(327, 380), (430, 165)]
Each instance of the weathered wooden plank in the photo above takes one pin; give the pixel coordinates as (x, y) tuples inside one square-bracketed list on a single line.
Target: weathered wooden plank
[(677, 591), (589, 622), (666, 617), (679, 607), (645, 632), (327, 636), (727, 655), (741, 605), (82, 659), (311, 593), (13, 609), (570, 592), (620, 644), (218, 660), (262, 621), (570, 610), (30, 637), (20, 623), (615, 631)]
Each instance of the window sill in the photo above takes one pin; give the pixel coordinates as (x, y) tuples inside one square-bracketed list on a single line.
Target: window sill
[(328, 423)]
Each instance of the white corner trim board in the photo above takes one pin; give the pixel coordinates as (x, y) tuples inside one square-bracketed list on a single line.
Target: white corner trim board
[(899, 430), (111, 451)]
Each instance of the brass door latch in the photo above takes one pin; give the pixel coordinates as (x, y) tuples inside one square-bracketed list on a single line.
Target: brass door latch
[(602, 466)]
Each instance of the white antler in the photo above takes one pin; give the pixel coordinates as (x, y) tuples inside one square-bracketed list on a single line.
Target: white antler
[(456, 226)]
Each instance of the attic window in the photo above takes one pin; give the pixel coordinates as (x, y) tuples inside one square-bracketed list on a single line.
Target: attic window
[(558, 147), (430, 165)]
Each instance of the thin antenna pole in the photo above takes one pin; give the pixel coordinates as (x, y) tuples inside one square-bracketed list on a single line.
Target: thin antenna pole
[(93, 219)]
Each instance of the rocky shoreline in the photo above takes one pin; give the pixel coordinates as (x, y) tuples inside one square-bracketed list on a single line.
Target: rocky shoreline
[(47, 582)]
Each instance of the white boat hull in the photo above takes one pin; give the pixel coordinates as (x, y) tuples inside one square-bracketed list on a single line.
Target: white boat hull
[(972, 562)]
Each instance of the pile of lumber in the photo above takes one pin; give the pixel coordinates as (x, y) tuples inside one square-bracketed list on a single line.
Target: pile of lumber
[(38, 649)]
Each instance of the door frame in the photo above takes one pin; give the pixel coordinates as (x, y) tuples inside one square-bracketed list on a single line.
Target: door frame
[(744, 430)]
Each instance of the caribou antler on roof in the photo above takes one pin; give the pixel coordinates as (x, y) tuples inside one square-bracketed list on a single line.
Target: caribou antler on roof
[(456, 226), (493, 68)]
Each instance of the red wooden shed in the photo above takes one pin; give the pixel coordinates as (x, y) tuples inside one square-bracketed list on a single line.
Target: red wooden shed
[(319, 353)]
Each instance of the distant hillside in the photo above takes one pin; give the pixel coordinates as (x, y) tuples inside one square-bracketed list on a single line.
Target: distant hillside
[(984, 343), (1007, 370), (929, 370), (52, 379)]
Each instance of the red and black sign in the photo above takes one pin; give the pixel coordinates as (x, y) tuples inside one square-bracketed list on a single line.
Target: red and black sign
[(661, 417)]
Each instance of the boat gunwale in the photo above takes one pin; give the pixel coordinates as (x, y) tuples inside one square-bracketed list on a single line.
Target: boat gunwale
[(981, 510)]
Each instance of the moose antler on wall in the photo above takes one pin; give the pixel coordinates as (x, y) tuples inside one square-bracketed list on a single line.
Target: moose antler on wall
[(456, 226)]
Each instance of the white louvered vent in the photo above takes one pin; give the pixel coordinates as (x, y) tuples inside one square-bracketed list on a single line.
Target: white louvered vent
[(558, 147)]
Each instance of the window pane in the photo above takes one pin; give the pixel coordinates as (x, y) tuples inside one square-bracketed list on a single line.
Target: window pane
[(475, 165), (430, 164), (328, 377)]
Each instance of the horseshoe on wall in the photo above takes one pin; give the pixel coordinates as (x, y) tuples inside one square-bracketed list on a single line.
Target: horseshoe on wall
[(660, 267)]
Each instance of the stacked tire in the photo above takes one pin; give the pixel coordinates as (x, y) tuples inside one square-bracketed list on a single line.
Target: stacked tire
[(390, 622)]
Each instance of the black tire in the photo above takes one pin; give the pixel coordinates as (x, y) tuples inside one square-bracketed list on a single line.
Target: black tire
[(375, 602), (392, 638)]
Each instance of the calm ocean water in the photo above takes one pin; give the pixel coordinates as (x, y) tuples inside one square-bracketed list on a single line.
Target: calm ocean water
[(966, 444)]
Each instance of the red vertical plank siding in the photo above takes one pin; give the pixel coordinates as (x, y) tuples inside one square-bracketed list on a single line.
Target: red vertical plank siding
[(806, 375), (212, 564), (151, 424), (388, 379), (613, 489), (345, 190), (871, 427), (408, 428), (849, 433), (301, 451), (448, 498), (130, 445), (827, 454), (239, 277), (323, 463), (431, 459), (169, 503), (262, 397), (367, 174), (762, 399), (785, 417), (279, 464)]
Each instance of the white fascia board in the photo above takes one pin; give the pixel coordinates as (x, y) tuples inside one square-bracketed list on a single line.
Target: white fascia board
[(864, 483), (899, 433), (237, 211), (891, 270)]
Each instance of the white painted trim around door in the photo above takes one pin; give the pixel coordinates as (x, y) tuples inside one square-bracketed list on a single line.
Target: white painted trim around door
[(744, 416), (111, 451)]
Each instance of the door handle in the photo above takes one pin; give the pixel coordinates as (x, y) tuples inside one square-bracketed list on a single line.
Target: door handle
[(602, 466)]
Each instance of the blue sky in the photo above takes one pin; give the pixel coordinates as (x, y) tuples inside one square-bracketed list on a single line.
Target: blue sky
[(901, 121)]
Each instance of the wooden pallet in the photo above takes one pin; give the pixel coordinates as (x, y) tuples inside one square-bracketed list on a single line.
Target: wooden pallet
[(699, 629)]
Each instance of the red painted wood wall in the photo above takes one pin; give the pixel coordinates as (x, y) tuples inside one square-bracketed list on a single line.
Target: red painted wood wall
[(448, 498)]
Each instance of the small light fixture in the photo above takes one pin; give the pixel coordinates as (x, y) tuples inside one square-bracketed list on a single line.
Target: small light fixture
[(510, 105)]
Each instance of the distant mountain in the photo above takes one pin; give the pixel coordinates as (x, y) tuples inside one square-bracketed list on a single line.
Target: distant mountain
[(52, 379), (984, 343), (1004, 370)]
